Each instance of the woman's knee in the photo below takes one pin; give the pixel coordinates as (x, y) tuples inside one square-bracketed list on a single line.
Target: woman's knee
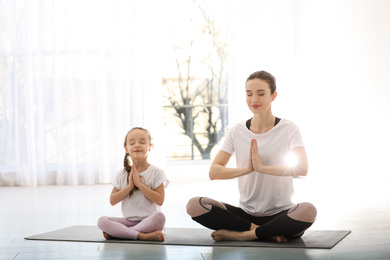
[(192, 206), (195, 208), (304, 211)]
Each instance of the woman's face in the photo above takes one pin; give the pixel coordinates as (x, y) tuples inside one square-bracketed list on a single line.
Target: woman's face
[(258, 95), (137, 144)]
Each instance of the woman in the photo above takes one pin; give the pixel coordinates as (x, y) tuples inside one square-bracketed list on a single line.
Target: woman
[(261, 145)]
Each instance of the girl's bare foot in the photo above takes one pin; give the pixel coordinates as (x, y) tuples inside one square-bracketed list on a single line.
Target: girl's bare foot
[(152, 236), (107, 236)]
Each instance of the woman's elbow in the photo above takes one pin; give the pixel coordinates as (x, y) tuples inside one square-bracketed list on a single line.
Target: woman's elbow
[(212, 175), (213, 172), (303, 171)]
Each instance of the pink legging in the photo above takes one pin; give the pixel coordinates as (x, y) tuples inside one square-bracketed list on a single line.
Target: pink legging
[(127, 229)]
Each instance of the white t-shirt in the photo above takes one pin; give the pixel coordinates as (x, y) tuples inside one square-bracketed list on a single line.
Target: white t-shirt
[(262, 194), (138, 207)]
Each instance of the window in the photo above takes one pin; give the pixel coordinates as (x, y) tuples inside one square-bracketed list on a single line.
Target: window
[(195, 84)]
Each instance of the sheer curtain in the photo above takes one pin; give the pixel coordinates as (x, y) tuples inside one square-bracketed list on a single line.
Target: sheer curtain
[(75, 76)]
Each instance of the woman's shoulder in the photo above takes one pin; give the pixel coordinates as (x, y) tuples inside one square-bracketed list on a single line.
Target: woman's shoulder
[(287, 122), (287, 125)]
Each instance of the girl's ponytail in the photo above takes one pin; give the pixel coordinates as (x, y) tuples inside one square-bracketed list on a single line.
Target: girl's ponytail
[(127, 165)]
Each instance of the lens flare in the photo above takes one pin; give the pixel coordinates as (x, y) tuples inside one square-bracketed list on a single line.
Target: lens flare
[(291, 159)]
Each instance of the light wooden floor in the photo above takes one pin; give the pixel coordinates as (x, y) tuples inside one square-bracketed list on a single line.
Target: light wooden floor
[(30, 211)]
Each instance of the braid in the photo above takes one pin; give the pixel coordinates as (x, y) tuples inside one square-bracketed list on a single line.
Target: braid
[(127, 166)]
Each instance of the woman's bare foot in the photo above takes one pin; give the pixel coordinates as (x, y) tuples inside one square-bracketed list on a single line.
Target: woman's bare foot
[(254, 226), (279, 239), (224, 234), (152, 236), (107, 236)]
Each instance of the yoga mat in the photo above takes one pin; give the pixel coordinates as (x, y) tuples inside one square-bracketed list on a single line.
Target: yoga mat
[(195, 237)]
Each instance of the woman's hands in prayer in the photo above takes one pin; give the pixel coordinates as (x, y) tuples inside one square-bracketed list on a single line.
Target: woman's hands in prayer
[(254, 161)]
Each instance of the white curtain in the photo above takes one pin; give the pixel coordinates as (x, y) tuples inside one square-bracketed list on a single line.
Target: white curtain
[(75, 76)]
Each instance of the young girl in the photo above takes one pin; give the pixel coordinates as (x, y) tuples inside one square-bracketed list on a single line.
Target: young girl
[(265, 180), (140, 188)]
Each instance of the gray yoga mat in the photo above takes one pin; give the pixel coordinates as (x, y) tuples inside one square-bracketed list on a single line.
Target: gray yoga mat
[(195, 237)]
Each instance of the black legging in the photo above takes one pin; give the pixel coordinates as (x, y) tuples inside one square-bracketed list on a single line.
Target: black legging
[(236, 219)]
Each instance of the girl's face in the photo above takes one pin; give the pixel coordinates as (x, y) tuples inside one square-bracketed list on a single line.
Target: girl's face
[(138, 144), (258, 95)]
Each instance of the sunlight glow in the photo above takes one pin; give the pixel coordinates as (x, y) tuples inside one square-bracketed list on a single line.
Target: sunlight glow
[(291, 159)]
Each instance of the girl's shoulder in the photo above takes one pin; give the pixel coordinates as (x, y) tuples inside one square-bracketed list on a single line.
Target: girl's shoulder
[(121, 175), (155, 176), (153, 168), (121, 172), (121, 179)]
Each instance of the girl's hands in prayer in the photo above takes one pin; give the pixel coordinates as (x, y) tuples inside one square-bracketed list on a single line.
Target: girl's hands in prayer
[(135, 176), (131, 182)]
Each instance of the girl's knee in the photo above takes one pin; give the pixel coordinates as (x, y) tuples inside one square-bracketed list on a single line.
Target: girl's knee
[(159, 216), (102, 222), (159, 220)]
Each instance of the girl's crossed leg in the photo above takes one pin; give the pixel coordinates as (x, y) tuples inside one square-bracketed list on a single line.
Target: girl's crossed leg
[(149, 228)]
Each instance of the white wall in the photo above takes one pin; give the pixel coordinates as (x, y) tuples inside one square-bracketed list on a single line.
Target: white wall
[(332, 64), (343, 85)]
